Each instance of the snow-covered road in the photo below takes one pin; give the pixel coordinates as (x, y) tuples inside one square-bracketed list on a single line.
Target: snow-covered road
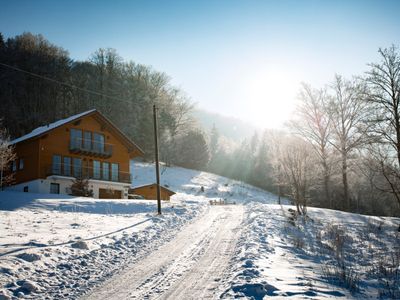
[(188, 267)]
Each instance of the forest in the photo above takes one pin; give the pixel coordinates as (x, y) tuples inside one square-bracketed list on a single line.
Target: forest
[(341, 149)]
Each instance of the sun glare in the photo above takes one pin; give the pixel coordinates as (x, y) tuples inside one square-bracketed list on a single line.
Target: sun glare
[(271, 96)]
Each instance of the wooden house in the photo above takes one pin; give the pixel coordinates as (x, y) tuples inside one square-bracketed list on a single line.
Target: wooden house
[(149, 191), (86, 145)]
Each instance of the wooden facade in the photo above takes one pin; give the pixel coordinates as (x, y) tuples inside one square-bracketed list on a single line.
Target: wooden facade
[(149, 192), (87, 146)]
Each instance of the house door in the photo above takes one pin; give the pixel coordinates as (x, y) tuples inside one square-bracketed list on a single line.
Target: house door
[(54, 188), (109, 194)]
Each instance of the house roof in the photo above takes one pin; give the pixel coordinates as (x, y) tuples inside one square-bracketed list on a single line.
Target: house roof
[(152, 184), (43, 129), (46, 128)]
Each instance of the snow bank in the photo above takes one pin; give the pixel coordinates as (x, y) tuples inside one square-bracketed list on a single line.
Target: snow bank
[(329, 254)]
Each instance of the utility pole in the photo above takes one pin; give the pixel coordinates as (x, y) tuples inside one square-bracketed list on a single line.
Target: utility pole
[(1, 171), (157, 161)]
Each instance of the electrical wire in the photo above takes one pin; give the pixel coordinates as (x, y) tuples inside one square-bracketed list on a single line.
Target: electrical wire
[(63, 83)]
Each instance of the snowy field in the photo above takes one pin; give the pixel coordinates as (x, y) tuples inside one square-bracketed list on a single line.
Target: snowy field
[(60, 247)]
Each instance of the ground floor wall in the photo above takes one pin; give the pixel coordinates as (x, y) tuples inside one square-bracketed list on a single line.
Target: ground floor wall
[(62, 185)]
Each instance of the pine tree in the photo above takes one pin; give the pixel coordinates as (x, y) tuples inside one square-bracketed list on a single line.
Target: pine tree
[(192, 151)]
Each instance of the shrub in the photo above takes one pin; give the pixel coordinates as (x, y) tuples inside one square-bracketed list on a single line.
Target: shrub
[(80, 187)]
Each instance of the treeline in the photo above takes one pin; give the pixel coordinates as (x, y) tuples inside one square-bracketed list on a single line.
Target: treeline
[(341, 150), (124, 91)]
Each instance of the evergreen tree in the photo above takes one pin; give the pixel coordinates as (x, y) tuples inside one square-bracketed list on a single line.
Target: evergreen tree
[(214, 141), (192, 151)]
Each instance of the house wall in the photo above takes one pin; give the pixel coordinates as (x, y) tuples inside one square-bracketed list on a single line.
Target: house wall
[(42, 186), (34, 186), (57, 142), (29, 152), (150, 192)]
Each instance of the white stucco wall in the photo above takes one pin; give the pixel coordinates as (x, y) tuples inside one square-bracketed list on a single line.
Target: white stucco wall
[(42, 186)]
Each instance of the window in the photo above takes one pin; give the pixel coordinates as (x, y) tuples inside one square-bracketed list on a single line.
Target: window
[(26, 189), (76, 138), (77, 162), (14, 165), (54, 188), (96, 169), (21, 163), (98, 142), (87, 141), (67, 166), (114, 172), (106, 171), (56, 166)]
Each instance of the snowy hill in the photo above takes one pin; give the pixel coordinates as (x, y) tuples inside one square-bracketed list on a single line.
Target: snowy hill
[(61, 247), (189, 182)]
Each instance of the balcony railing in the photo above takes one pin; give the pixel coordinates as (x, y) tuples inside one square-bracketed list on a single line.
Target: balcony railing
[(87, 172), (90, 148)]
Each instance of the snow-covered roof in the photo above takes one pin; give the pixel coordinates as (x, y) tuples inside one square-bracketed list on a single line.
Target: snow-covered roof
[(150, 184), (42, 129)]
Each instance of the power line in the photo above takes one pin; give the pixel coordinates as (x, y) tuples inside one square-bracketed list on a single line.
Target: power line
[(63, 83)]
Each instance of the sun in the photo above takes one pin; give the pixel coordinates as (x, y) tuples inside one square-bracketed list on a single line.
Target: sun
[(271, 96)]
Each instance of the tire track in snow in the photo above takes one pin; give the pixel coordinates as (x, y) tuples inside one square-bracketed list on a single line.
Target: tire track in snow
[(187, 267), (203, 280)]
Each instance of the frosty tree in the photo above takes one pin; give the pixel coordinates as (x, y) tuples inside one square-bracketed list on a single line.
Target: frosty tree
[(383, 81), (313, 123)]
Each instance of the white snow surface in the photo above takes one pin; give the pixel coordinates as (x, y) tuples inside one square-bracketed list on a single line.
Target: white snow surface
[(60, 247)]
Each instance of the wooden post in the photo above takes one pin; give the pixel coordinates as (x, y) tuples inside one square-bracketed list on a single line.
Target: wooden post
[(1, 171), (279, 193), (157, 161), (279, 184)]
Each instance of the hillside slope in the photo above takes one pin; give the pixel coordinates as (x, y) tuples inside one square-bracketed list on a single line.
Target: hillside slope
[(190, 182)]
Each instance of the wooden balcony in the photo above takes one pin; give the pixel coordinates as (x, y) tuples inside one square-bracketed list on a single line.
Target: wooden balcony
[(90, 148), (88, 173)]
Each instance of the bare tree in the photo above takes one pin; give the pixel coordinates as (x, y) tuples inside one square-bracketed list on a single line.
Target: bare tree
[(383, 166), (294, 161), (383, 81), (347, 112), (7, 155), (312, 122)]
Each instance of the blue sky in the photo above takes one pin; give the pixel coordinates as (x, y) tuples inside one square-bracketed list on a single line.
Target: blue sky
[(239, 58)]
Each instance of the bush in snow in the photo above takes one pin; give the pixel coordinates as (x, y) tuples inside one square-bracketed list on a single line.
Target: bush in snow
[(80, 187), (387, 270), (342, 274)]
